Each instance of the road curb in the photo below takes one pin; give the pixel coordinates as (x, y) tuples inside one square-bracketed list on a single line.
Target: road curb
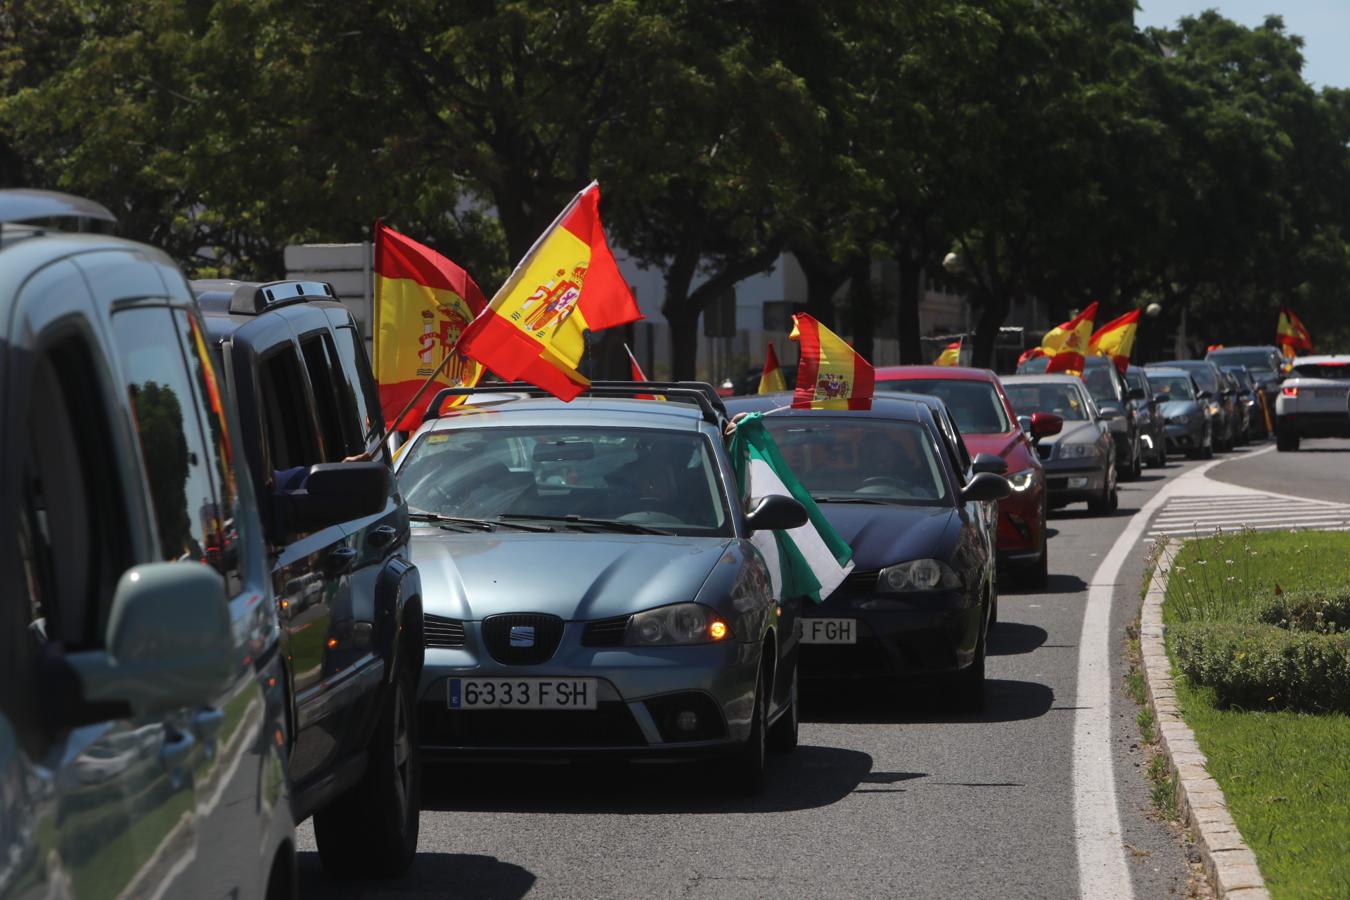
[(1229, 863)]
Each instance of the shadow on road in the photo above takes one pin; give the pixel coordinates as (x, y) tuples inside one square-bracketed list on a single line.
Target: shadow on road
[(1081, 512), (1010, 638), (920, 702), (1055, 583), (809, 778), (1143, 478), (433, 876)]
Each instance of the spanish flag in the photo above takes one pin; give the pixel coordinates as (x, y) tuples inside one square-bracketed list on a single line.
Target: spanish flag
[(1289, 332), (1029, 354), (831, 374), (535, 327), (423, 303), (1067, 343), (950, 355), (771, 379), (1116, 339)]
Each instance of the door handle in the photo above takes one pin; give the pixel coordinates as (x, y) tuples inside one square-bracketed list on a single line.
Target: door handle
[(381, 536), (339, 560)]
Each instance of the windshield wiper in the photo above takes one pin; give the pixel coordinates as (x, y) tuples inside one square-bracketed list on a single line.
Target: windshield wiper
[(853, 499), (479, 524), (605, 524)]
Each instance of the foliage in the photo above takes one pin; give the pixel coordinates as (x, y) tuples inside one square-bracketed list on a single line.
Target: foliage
[(1265, 666), (1309, 611)]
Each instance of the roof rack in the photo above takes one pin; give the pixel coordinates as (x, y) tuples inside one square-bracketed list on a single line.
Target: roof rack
[(27, 205), (699, 393), (253, 299)]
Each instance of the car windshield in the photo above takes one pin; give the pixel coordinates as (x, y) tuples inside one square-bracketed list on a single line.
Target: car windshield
[(1339, 371), (975, 405), (1256, 360), (664, 480), (1241, 376), (861, 459), (1136, 380), (1063, 400), (1176, 387), (1101, 385), (1204, 376)]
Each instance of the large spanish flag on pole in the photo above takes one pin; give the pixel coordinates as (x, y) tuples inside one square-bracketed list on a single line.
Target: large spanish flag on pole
[(1289, 332), (423, 302), (1116, 339), (1066, 344), (535, 327), (831, 374), (771, 379)]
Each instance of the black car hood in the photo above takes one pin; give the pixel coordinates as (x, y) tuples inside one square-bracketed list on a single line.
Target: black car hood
[(884, 535)]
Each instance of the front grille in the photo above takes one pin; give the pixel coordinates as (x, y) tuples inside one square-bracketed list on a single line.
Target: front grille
[(860, 582), (443, 633), (1056, 484), (532, 646), (610, 724), (605, 632)]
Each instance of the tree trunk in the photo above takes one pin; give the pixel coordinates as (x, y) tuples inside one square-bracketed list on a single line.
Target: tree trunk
[(862, 306), (823, 278), (681, 315), (993, 313), (910, 264)]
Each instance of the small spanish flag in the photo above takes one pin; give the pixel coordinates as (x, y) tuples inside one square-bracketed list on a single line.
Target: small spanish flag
[(1029, 354), (535, 327), (1289, 332), (423, 303), (1066, 344), (771, 379), (831, 374), (1116, 339), (638, 374), (950, 355)]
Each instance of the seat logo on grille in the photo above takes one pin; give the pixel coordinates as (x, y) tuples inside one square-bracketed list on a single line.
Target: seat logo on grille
[(522, 635)]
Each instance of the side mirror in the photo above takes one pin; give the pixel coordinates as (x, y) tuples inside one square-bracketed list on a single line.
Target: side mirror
[(776, 512), (986, 486), (1160, 398), (1137, 393), (332, 493), (988, 462), (1044, 424), (169, 642), (1109, 412)]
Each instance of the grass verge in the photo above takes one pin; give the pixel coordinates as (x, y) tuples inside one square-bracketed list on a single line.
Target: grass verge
[(1285, 775)]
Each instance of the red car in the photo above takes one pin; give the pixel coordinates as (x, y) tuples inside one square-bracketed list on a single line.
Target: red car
[(989, 425)]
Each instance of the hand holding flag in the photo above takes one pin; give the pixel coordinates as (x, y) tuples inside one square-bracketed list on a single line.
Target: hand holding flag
[(831, 374)]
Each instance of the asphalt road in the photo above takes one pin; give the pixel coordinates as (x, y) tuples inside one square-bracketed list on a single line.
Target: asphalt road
[(1318, 470), (889, 793)]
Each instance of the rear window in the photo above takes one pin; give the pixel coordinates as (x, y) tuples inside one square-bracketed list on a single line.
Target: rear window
[(975, 405), (1256, 360), (1335, 370)]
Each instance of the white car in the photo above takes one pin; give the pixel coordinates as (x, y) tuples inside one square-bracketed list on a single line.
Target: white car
[(1314, 401)]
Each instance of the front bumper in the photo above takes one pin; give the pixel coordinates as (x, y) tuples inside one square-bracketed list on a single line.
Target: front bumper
[(1075, 482), (1181, 438), (639, 690), (903, 637)]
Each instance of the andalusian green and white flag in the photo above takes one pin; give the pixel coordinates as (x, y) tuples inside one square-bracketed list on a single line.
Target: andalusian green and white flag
[(809, 561)]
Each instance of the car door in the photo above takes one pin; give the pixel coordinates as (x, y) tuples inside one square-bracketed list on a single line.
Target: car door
[(105, 801)]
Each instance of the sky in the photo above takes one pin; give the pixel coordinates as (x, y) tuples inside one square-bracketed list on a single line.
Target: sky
[(1324, 26)]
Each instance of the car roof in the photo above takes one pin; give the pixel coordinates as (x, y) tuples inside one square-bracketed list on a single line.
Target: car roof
[(589, 411), (1053, 378), (944, 373), (885, 405), (1181, 364), (1244, 348), (1339, 358), (214, 295), (1167, 370)]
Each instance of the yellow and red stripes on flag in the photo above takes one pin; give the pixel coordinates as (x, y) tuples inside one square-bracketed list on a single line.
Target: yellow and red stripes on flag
[(1116, 339), (771, 380), (423, 302), (1289, 332), (535, 328), (831, 374), (950, 355), (1067, 343)]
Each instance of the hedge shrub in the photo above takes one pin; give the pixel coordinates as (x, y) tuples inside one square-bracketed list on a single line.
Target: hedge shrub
[(1309, 611), (1265, 666)]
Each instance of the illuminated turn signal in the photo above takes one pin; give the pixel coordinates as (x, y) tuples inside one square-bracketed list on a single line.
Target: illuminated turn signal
[(718, 630), (332, 642)]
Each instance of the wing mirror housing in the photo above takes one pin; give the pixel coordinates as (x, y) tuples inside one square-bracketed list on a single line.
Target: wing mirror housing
[(1203, 395), (1044, 424), (168, 644), (988, 462), (986, 486), (1109, 413), (332, 493), (776, 512)]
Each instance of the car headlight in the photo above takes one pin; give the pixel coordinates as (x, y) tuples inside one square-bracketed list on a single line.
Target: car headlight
[(1178, 420), (918, 575), (1023, 480), (679, 623), (1214, 409), (1077, 451)]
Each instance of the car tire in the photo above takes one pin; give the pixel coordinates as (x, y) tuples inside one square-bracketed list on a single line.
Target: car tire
[(1102, 505), (371, 830), (749, 766), (783, 733), (1286, 442), (967, 689)]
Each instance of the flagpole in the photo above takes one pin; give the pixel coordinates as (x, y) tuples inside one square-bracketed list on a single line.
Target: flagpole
[(423, 388)]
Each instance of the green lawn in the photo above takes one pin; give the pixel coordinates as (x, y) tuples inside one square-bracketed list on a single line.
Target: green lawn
[(1286, 775)]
